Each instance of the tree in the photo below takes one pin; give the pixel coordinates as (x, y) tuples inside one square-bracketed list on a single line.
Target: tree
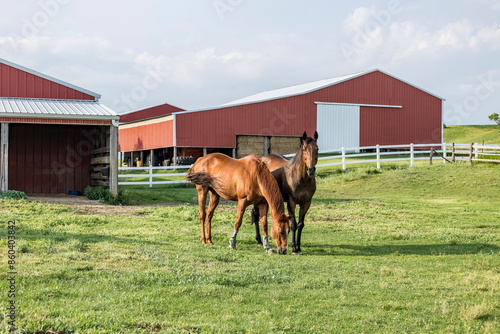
[(495, 117)]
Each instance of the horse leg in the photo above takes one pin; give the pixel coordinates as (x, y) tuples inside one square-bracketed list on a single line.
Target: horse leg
[(212, 204), (255, 221), (293, 225), (263, 208), (242, 205), (202, 201), (302, 213)]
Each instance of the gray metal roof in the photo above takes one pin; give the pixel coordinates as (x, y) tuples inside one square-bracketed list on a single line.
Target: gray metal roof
[(65, 109)]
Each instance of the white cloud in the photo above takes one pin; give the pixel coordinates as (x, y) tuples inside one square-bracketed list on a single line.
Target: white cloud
[(408, 38)]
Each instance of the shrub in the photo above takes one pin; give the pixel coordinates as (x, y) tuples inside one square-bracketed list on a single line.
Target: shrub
[(96, 193), (103, 194), (13, 194)]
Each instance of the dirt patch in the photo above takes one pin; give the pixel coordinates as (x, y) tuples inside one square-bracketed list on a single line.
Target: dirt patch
[(85, 206)]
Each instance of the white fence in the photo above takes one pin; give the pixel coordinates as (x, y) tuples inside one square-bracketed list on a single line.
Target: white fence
[(150, 175), (352, 155)]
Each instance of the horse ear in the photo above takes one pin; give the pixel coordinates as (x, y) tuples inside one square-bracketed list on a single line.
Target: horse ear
[(315, 135), (303, 138)]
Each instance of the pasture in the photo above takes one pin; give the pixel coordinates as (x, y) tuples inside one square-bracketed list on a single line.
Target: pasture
[(402, 250)]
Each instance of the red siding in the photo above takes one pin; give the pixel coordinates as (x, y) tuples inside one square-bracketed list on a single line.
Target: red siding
[(161, 110), (218, 127), (48, 159), (419, 121), (17, 83), (146, 137)]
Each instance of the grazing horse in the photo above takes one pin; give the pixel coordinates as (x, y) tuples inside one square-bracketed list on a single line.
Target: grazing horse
[(297, 184), (247, 181)]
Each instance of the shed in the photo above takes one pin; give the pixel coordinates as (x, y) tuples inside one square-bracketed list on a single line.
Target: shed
[(55, 137), (360, 109)]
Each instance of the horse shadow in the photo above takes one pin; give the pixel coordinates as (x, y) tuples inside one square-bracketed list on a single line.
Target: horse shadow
[(401, 250)]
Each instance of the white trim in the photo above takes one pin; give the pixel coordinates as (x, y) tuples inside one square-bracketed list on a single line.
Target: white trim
[(47, 77), (359, 105), (60, 116)]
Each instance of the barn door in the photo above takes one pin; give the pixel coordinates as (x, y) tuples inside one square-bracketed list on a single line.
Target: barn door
[(49, 159), (338, 126)]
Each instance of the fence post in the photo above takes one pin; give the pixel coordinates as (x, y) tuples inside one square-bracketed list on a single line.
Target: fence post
[(150, 175), (430, 156), (476, 150), (378, 156), (453, 152), (444, 152), (412, 155), (343, 159), (470, 153)]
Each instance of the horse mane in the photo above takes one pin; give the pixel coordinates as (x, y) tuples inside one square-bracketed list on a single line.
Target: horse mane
[(269, 188)]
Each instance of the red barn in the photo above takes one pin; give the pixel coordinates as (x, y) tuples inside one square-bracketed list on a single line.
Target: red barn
[(361, 109), (55, 137)]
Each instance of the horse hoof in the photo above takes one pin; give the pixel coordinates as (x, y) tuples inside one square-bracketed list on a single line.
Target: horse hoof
[(232, 247), (260, 244), (271, 251), (296, 252)]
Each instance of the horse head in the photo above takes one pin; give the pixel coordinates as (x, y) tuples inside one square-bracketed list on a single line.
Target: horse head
[(309, 147), (279, 232)]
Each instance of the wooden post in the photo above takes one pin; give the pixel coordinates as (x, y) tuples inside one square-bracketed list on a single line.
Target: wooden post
[(453, 152), (151, 152), (470, 153), (141, 156), (4, 157), (234, 153), (175, 156), (266, 144), (204, 151), (113, 160), (430, 156)]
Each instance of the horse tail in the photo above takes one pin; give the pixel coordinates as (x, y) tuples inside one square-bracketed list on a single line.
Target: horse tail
[(203, 179), (255, 216)]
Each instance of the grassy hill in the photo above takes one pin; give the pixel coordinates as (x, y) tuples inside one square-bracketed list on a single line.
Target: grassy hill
[(464, 134)]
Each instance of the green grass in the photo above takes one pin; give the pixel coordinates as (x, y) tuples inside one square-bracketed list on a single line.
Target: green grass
[(402, 250), (162, 193), (466, 134)]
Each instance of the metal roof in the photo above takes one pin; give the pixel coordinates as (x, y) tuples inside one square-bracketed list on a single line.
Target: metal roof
[(65, 109), (307, 88), (44, 76), (293, 90)]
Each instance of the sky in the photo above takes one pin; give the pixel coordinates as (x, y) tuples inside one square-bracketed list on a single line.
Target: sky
[(203, 53)]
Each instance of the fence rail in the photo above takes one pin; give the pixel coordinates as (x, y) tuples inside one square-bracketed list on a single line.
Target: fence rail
[(352, 155)]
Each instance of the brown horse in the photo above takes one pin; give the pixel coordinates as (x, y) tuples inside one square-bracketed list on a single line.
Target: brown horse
[(297, 184), (247, 181)]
